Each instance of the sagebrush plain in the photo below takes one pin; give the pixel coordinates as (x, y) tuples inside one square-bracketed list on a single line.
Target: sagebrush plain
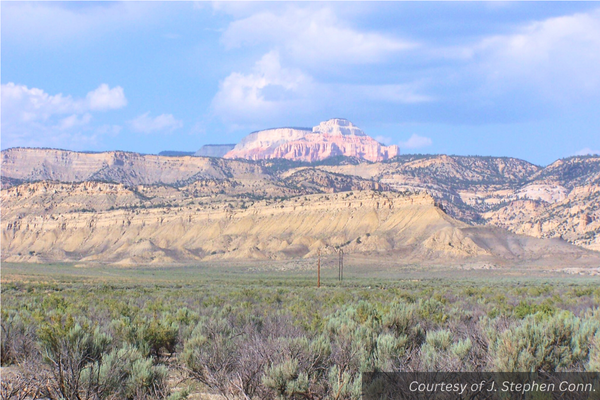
[(250, 331)]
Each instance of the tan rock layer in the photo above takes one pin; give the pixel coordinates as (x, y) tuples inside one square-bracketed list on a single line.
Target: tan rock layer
[(408, 228), (558, 201)]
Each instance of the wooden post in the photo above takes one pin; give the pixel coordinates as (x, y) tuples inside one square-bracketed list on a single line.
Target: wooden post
[(319, 270)]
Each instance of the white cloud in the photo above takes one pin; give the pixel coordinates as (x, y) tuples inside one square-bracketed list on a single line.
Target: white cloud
[(274, 93), (416, 142), (74, 121), (559, 56), (269, 88), (32, 117), (24, 104), (147, 124), (587, 151), (313, 36), (105, 98)]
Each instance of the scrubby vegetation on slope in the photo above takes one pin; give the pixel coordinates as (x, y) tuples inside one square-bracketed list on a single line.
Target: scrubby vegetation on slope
[(261, 338)]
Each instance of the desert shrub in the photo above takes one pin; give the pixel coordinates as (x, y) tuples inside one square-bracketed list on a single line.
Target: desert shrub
[(526, 308), (402, 319), (269, 338), (594, 355), (360, 342), (285, 380), (441, 352), (343, 385), (312, 354), (17, 340), (461, 349), (150, 335), (543, 344), (432, 310), (68, 347), (439, 340), (224, 358), (125, 374), (434, 351), (388, 351)]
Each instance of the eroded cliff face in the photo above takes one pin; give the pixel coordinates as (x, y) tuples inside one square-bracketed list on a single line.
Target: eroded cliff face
[(336, 137), (559, 201), (99, 222), (27, 164)]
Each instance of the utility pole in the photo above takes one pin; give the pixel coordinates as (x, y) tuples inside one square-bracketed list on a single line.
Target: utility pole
[(319, 270)]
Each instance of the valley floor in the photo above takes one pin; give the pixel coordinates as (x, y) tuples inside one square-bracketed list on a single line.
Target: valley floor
[(263, 330)]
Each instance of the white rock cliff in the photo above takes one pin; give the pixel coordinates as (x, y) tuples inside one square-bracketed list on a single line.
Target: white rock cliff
[(336, 137)]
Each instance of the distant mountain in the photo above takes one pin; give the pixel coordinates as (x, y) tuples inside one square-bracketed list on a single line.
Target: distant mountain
[(336, 137), (559, 201), (174, 153), (214, 150)]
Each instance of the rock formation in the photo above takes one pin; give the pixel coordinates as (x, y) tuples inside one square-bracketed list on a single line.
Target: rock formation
[(336, 137), (111, 223), (559, 201)]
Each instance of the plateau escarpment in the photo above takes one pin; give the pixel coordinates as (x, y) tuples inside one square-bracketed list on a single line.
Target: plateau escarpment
[(101, 222), (336, 137), (559, 202)]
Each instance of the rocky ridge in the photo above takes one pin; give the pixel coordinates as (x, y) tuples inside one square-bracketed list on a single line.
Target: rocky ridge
[(102, 222), (559, 201)]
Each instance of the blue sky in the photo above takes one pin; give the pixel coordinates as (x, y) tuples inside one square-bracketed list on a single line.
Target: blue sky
[(519, 79)]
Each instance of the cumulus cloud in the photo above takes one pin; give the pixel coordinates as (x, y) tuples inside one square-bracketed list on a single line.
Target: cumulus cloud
[(304, 41), (162, 123), (32, 117), (105, 98), (559, 56), (271, 91), (313, 36), (530, 72), (33, 104), (416, 142), (269, 88)]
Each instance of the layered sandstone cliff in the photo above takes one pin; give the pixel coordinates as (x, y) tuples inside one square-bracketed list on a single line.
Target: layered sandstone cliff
[(561, 200), (336, 137), (100, 222)]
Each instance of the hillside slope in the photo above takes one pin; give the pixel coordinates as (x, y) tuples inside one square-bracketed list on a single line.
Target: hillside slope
[(102, 222), (558, 201)]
